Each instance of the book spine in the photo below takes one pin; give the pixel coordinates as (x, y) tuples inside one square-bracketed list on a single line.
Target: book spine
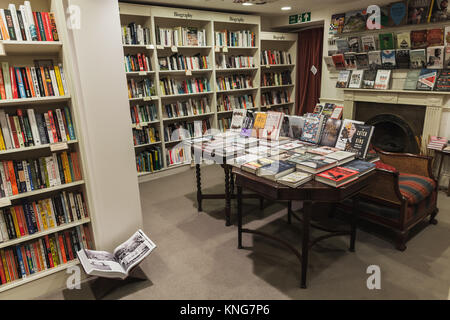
[(47, 26), (53, 28), (34, 129), (13, 12), (30, 19), (21, 25), (41, 27)]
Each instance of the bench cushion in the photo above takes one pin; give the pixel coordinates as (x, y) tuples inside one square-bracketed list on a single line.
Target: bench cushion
[(415, 188)]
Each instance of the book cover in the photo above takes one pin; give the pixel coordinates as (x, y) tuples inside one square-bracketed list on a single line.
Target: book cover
[(382, 80), (317, 164), (355, 21), (418, 59), (386, 41), (419, 11), (295, 179), (339, 61), (447, 35), (368, 43), (247, 124), (330, 132), (337, 112), (354, 44), (368, 81), (356, 79), (330, 63), (296, 124), (402, 58), (350, 60), (237, 119), (443, 81), (435, 37), (435, 57), (403, 40), (440, 11), (318, 109), (276, 169), (272, 125), (258, 125), (374, 59), (337, 23), (332, 47), (362, 61), (342, 45), (359, 142), (311, 130), (388, 59), (328, 109), (346, 133), (360, 166), (398, 13), (337, 176), (343, 79), (427, 80), (411, 80), (419, 39)]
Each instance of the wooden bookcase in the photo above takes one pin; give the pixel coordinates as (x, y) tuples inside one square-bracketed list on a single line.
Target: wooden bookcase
[(23, 53)]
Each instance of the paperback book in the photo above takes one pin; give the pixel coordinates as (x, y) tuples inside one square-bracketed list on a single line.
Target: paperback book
[(418, 59), (339, 61), (435, 57), (368, 81), (362, 61), (427, 80), (343, 79), (337, 23), (419, 11), (312, 129), (350, 60), (247, 124), (356, 79), (386, 41), (360, 141), (342, 45), (411, 80), (440, 11), (374, 60), (361, 166), (402, 58), (404, 40), (337, 177), (368, 43), (419, 39), (383, 79), (435, 37), (276, 169), (388, 59), (237, 119), (346, 133), (354, 44), (296, 124), (295, 179), (443, 81), (316, 164)]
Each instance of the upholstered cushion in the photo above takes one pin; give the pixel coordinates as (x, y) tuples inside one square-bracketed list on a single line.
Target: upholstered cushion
[(381, 165), (415, 188)]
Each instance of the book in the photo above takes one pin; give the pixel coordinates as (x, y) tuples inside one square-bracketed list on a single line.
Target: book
[(418, 59), (330, 63), (318, 109), (339, 61), (259, 124), (384, 16), (382, 81), (332, 47), (355, 21), (312, 130), (403, 40), (346, 133), (296, 124), (374, 59), (435, 57), (435, 37), (342, 45), (419, 39), (427, 80), (411, 80), (328, 109), (440, 11), (362, 61), (343, 79), (119, 263), (350, 60), (255, 166), (330, 132), (247, 124), (241, 160), (447, 57), (276, 169), (322, 151), (354, 44), (360, 140), (337, 177), (368, 43), (337, 23), (337, 112), (388, 59), (419, 11), (402, 58), (443, 81), (238, 119), (341, 156), (316, 164), (272, 125), (398, 13), (361, 166), (356, 79), (386, 41), (295, 179)]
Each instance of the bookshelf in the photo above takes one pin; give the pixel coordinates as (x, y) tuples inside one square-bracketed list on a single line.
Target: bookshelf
[(23, 54)]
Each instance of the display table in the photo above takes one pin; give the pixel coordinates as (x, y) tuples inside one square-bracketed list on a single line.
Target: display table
[(310, 193)]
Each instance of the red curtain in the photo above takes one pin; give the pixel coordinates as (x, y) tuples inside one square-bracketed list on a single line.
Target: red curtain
[(309, 53)]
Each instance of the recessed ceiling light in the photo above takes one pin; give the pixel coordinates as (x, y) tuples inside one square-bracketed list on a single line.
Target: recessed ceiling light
[(247, 4), (286, 8)]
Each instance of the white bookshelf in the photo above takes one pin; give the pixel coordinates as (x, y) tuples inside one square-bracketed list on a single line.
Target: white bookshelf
[(23, 53)]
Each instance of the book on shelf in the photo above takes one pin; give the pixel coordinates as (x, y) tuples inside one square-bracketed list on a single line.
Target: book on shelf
[(435, 37), (274, 97), (295, 179), (374, 59), (435, 57), (241, 38), (180, 36), (276, 169), (427, 80), (368, 81), (368, 43), (440, 11), (137, 62), (237, 119), (149, 160), (419, 39), (271, 57), (276, 78), (388, 60), (348, 129), (337, 177), (224, 61), (135, 34), (332, 47), (234, 82), (140, 88), (343, 79), (350, 60), (178, 155), (447, 57), (403, 40), (145, 135), (170, 86), (419, 11), (355, 21), (362, 61), (447, 35), (179, 62), (359, 142), (386, 41), (230, 102), (354, 44), (356, 79), (186, 108), (121, 261), (411, 80), (330, 132), (402, 58), (383, 79), (342, 45), (443, 81), (339, 61), (361, 166), (418, 59), (329, 63), (398, 13)]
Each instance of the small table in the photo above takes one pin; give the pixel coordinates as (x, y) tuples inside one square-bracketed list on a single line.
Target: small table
[(443, 154), (310, 193)]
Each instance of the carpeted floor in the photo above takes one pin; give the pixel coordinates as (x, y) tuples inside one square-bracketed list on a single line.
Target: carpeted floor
[(197, 256)]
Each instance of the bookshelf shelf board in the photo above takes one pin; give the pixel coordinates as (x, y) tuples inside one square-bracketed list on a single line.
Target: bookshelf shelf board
[(24, 149), (268, 66), (43, 233), (147, 144), (160, 47), (279, 86), (277, 105), (236, 69), (236, 90), (143, 98), (139, 73), (227, 111), (239, 48), (192, 116), (175, 141), (38, 275), (143, 46), (144, 124), (14, 102), (45, 190), (400, 91), (186, 94), (183, 71), (30, 47)]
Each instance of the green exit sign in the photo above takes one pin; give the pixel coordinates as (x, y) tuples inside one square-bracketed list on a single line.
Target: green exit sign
[(300, 18)]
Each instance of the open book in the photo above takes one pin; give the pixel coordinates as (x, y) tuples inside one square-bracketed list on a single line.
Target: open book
[(121, 261)]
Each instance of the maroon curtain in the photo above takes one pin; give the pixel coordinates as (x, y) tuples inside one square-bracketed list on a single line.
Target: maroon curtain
[(309, 53)]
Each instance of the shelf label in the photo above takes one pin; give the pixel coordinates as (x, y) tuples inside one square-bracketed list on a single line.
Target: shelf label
[(142, 73), (189, 72), (5, 202), (275, 37), (2, 50), (237, 19), (225, 49), (58, 146), (186, 15), (147, 98), (138, 126), (174, 49), (216, 48), (268, 66), (159, 46), (150, 46)]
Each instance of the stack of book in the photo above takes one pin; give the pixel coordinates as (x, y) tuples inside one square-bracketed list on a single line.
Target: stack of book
[(437, 143)]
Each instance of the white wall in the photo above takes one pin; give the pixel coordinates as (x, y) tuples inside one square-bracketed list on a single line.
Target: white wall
[(104, 122)]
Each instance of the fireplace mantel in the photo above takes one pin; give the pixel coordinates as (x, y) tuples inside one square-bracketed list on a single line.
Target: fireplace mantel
[(434, 101)]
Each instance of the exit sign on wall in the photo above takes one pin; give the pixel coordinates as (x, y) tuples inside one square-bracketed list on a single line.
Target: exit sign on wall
[(300, 18)]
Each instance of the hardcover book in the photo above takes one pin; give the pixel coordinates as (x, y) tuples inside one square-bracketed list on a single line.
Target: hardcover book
[(443, 81), (427, 80), (419, 11), (272, 126), (354, 44), (418, 59), (330, 132), (322, 151), (402, 58), (440, 11), (382, 81), (388, 59), (258, 125), (346, 133), (356, 79), (361, 166), (386, 41), (328, 109), (368, 43), (398, 13), (447, 58), (362, 61), (374, 59), (247, 125), (359, 143), (343, 79), (350, 60), (342, 45), (411, 80), (341, 156), (369, 79), (447, 35), (296, 124), (312, 129), (404, 40), (337, 23), (316, 164), (295, 179), (435, 37), (276, 169), (339, 61), (337, 177), (337, 112), (419, 39), (435, 57), (355, 21), (238, 119)]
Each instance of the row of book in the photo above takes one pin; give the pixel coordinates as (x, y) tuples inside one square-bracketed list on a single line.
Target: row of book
[(231, 102), (171, 86), (31, 82), (191, 107), (230, 61), (415, 39), (274, 97), (20, 176), (234, 82), (27, 25), (42, 215), (394, 14), (149, 160), (140, 88), (270, 57), (186, 129), (224, 124), (180, 36), (432, 58), (50, 251), (178, 155), (135, 34), (181, 62), (330, 110), (143, 113), (242, 38), (276, 78), (145, 135), (30, 128), (137, 62)]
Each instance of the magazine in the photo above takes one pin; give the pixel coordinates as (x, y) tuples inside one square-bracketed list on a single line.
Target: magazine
[(119, 263)]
